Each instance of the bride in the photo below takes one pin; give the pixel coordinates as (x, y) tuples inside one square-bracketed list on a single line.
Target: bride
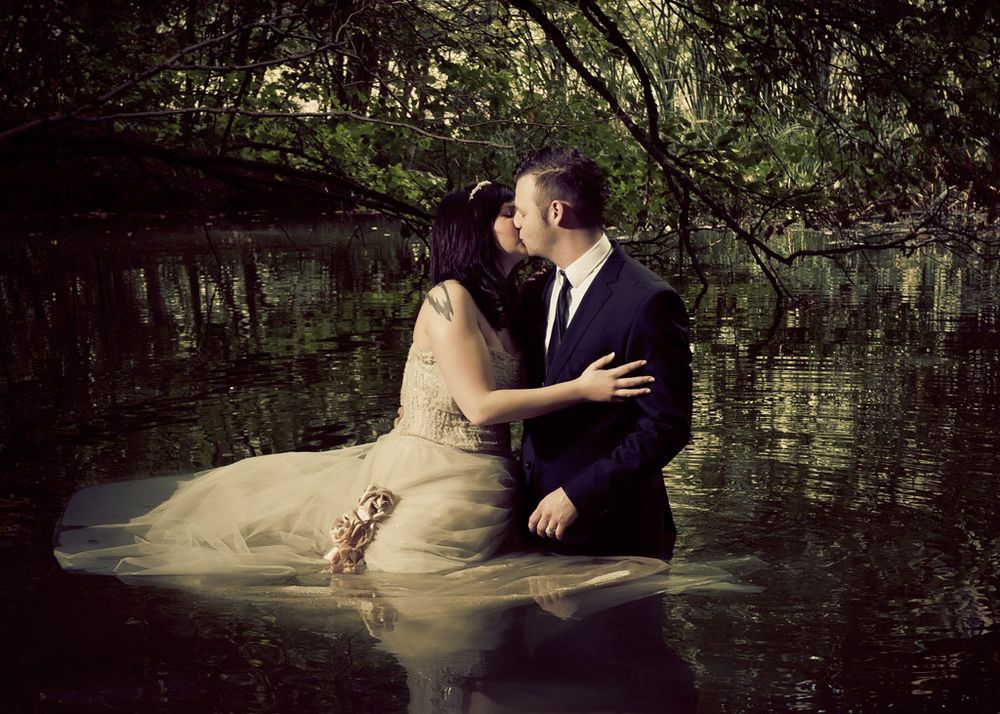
[(437, 493)]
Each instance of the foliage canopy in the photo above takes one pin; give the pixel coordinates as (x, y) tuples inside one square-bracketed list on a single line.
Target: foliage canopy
[(876, 123)]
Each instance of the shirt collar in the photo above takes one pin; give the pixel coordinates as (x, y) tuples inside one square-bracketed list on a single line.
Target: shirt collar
[(582, 267)]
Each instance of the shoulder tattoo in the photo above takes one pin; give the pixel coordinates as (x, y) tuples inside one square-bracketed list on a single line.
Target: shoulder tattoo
[(442, 307)]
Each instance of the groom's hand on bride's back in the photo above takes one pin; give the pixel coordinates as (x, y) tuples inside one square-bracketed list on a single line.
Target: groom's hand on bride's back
[(399, 417), (600, 383)]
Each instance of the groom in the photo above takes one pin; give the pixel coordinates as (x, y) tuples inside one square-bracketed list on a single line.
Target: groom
[(593, 472)]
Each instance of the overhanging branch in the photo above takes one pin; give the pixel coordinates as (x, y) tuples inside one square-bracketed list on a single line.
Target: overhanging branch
[(237, 111)]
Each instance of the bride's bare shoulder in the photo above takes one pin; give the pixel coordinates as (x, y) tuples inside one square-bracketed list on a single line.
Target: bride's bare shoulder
[(448, 306), (448, 298)]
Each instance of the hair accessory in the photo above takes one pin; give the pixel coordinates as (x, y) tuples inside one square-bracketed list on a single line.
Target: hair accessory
[(478, 186)]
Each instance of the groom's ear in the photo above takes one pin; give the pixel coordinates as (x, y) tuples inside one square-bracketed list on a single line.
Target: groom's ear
[(562, 214), (557, 213)]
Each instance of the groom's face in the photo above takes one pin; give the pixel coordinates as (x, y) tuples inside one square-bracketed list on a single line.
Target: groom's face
[(535, 231)]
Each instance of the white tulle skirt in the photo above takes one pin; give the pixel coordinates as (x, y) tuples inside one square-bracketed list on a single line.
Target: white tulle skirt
[(269, 516), (265, 521)]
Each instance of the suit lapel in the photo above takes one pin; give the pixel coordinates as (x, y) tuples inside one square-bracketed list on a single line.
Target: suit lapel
[(537, 321), (543, 324), (593, 301), (546, 296)]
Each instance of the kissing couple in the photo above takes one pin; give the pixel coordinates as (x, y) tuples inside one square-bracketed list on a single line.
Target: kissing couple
[(593, 356)]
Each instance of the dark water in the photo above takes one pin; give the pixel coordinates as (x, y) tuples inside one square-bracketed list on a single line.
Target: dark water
[(850, 442)]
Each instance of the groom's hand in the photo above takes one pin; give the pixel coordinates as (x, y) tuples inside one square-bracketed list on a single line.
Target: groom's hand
[(554, 514)]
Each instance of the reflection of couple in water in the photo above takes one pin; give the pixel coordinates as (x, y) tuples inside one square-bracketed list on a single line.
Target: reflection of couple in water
[(594, 358), (600, 650)]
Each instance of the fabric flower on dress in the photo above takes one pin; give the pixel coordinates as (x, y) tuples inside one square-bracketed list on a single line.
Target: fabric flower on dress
[(345, 559), (352, 532)]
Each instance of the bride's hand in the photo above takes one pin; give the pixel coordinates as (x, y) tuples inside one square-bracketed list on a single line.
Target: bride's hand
[(611, 385)]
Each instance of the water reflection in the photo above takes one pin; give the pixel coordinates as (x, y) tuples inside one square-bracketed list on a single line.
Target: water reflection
[(603, 650), (615, 660), (227, 337), (851, 441)]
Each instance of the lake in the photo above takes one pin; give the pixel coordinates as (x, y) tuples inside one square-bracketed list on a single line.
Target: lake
[(850, 442)]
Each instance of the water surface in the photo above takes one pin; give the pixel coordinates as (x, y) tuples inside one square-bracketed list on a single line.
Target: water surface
[(851, 442)]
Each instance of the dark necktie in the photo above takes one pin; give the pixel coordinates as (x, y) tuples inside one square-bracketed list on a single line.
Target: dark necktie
[(562, 317)]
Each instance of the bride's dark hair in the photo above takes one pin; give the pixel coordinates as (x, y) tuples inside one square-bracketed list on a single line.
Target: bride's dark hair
[(464, 247)]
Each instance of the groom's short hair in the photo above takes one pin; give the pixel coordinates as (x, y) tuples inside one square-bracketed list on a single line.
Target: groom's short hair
[(570, 176)]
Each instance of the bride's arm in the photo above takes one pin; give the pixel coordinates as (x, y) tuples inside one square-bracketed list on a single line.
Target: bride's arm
[(463, 356)]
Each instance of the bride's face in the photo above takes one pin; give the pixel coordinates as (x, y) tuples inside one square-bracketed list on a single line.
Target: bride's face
[(508, 236)]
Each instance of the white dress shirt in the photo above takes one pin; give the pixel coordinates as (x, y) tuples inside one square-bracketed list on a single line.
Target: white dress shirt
[(580, 273)]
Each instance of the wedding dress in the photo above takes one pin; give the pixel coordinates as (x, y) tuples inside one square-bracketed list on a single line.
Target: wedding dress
[(267, 519), (270, 516)]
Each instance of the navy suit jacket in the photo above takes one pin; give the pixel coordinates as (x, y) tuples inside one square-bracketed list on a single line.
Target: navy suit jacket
[(609, 456)]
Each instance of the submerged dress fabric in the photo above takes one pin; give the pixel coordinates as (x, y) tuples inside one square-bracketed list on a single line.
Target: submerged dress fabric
[(270, 516)]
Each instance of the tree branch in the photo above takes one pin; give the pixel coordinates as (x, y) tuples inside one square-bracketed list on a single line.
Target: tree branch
[(253, 65), (316, 181), (236, 111), (128, 84)]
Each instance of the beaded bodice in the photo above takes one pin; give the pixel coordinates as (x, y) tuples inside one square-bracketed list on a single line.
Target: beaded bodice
[(430, 412)]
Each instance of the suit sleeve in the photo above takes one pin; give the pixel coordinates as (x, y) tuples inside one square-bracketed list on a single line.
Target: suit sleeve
[(659, 334)]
